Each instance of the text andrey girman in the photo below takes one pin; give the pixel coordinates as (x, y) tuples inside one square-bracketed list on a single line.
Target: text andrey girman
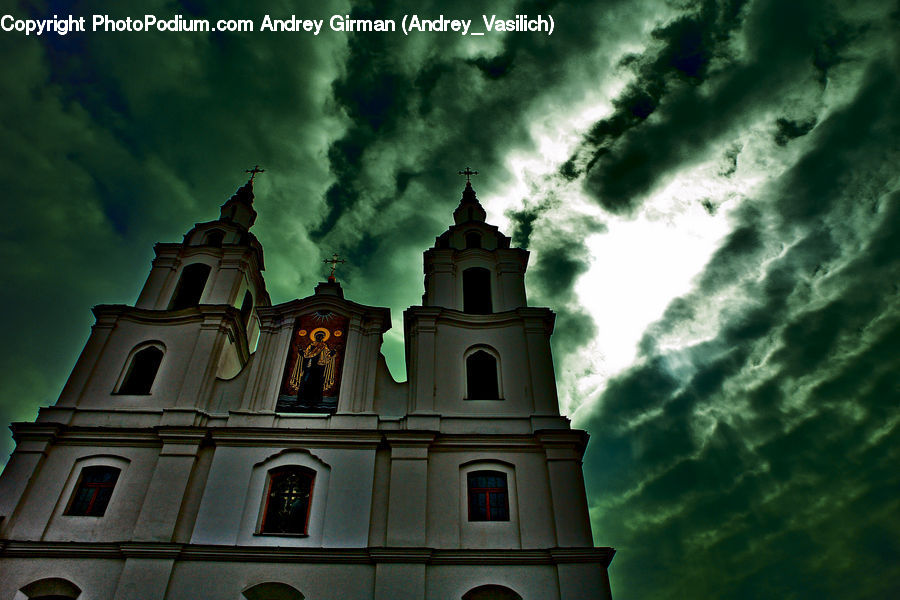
[(340, 23)]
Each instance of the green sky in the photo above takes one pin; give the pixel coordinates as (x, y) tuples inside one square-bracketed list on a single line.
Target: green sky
[(709, 191)]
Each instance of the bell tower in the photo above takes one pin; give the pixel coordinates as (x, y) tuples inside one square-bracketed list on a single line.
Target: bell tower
[(194, 322), (475, 345)]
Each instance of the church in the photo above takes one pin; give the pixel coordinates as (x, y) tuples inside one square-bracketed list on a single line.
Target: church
[(210, 445)]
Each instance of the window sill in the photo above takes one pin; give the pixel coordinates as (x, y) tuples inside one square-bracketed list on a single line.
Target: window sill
[(484, 399), (294, 535)]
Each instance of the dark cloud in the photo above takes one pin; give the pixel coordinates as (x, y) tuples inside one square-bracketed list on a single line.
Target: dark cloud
[(768, 450), (696, 87), (757, 462), (787, 129)]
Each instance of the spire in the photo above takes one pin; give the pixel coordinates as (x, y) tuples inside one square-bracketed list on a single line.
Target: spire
[(469, 208), (239, 208)]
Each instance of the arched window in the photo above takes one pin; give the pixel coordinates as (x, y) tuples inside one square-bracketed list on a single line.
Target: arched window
[(190, 286), (488, 496), (481, 376), (288, 500), (51, 588), (272, 591), (473, 239), (142, 371), (491, 592), (477, 291), (246, 308), (214, 238), (93, 491)]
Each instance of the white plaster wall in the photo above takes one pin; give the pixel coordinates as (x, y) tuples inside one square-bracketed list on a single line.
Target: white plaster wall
[(339, 515), (179, 341), (532, 582), (531, 516), (508, 340), (97, 578), (40, 516), (226, 580)]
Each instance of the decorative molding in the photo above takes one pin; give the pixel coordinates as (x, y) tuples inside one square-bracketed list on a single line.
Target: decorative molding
[(370, 555)]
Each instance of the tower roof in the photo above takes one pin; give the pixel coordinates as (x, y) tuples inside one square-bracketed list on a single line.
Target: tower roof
[(469, 208), (239, 208)]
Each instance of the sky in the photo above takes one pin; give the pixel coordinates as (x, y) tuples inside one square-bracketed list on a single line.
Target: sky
[(709, 192)]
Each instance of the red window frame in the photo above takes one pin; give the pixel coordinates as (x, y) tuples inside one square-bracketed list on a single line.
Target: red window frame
[(95, 489), (488, 492), (266, 526)]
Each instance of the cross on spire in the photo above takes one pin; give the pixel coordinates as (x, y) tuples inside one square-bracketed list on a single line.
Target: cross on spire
[(334, 261), (254, 172), (468, 173)]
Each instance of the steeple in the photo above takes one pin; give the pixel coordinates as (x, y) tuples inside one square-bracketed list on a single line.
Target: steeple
[(469, 208), (239, 208)]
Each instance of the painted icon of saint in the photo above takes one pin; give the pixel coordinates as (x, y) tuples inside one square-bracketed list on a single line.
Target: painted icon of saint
[(314, 370)]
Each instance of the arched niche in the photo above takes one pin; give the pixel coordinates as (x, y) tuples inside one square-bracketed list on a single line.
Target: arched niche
[(272, 591), (491, 592), (50, 588)]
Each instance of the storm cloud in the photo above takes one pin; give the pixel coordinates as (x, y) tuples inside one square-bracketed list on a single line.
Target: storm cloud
[(742, 154)]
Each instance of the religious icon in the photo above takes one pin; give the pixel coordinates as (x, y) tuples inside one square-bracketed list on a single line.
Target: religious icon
[(313, 371)]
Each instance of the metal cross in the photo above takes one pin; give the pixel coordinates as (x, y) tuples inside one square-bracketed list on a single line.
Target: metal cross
[(468, 173), (334, 263), (254, 171)]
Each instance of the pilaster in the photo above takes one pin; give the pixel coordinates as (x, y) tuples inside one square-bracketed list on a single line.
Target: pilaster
[(168, 486), (408, 490)]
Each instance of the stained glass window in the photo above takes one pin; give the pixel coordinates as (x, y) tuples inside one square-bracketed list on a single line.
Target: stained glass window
[(288, 500)]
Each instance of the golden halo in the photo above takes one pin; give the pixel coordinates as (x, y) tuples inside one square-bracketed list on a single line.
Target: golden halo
[(301, 333), (338, 333), (313, 333)]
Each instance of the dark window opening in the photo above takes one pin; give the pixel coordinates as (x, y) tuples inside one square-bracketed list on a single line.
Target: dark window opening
[(288, 500), (246, 308), (488, 498), (93, 491), (272, 591), (491, 592), (477, 291), (214, 238), (51, 588), (142, 371), (481, 377), (190, 286), (473, 239)]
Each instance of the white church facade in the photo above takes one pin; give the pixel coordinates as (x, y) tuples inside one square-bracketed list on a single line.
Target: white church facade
[(210, 445)]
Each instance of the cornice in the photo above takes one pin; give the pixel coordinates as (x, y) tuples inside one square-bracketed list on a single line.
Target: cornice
[(563, 442), (533, 318), (253, 436), (199, 314), (287, 311), (370, 555)]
